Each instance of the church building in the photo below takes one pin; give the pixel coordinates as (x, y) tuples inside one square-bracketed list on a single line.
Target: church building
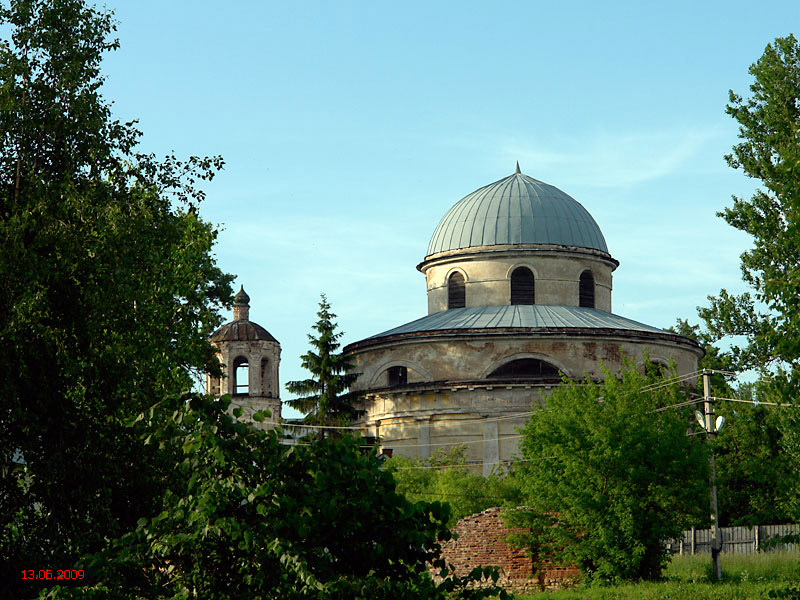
[(519, 284)]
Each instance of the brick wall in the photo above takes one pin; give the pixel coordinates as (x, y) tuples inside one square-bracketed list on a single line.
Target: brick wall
[(481, 542)]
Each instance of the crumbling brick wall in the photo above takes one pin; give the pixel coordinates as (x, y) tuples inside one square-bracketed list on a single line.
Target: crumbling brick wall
[(481, 541)]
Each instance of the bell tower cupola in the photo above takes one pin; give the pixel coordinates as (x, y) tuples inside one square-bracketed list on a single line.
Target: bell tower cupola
[(250, 357)]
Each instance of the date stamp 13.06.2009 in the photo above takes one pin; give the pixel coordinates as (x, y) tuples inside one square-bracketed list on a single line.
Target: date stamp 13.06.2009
[(64, 575)]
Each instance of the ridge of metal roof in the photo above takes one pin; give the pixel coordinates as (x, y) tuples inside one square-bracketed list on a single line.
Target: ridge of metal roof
[(537, 316), (517, 209)]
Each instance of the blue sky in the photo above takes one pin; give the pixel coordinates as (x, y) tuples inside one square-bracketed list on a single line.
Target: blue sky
[(349, 129)]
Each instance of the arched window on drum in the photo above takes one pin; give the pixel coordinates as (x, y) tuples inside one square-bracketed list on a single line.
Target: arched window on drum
[(586, 290), (456, 294), (522, 286)]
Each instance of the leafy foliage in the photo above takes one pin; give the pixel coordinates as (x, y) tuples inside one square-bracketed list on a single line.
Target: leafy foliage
[(324, 397), (753, 472), (109, 291), (253, 518), (607, 478), (769, 317), (446, 478)]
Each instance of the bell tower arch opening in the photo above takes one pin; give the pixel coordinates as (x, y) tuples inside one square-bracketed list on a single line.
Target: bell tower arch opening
[(241, 376)]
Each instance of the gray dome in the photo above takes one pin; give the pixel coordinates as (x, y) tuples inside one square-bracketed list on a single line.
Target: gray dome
[(516, 210), (241, 331)]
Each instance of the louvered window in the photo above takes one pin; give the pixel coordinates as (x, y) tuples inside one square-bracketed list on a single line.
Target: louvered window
[(456, 296), (586, 291), (522, 287)]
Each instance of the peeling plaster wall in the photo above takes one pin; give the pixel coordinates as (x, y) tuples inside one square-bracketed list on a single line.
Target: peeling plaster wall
[(454, 403)]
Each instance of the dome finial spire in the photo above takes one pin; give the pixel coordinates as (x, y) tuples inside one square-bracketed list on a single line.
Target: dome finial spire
[(517, 170), (241, 305)]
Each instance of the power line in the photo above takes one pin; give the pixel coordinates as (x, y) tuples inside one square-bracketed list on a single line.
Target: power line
[(668, 382), (395, 446), (757, 402), (649, 388), (678, 405), (441, 422)]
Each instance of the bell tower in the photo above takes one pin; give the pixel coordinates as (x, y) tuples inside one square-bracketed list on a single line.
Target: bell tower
[(250, 357)]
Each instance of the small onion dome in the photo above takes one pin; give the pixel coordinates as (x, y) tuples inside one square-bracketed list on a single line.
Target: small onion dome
[(516, 210), (241, 331), (241, 298)]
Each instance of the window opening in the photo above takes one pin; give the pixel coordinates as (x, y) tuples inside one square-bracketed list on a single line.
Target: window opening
[(241, 376), (398, 376), (456, 295), (657, 368), (525, 368), (522, 286), (586, 291)]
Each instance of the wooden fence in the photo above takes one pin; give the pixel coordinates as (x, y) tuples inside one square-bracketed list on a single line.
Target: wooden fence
[(735, 540)]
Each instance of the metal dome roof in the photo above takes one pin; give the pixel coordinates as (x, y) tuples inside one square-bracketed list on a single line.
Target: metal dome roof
[(516, 210), (525, 317), (241, 331)]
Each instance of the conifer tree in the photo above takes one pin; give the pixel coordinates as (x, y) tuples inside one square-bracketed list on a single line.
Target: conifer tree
[(324, 397)]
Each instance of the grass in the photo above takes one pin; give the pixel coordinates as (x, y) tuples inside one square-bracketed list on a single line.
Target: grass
[(744, 577)]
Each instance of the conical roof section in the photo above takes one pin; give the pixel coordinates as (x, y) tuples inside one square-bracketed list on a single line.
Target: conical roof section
[(516, 210)]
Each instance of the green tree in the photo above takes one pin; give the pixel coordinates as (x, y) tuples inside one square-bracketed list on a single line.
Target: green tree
[(325, 397), (768, 316), (447, 478), (608, 476), (109, 292), (252, 518), (769, 129), (752, 470), (754, 474)]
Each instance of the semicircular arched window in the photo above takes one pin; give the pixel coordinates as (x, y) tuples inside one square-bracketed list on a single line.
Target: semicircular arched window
[(525, 368), (241, 376), (522, 286), (456, 295), (586, 290)]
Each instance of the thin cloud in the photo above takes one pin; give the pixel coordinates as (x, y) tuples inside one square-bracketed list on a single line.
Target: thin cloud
[(616, 160)]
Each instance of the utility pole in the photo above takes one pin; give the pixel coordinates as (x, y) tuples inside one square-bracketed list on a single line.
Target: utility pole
[(711, 431)]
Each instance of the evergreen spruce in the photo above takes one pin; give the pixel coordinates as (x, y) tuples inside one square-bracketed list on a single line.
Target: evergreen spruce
[(325, 397)]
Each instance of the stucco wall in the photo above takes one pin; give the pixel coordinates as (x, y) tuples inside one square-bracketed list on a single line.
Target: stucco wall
[(449, 400), (472, 356), (487, 276)]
